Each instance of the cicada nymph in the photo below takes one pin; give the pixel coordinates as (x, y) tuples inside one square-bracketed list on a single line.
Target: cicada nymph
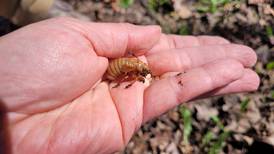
[(127, 69)]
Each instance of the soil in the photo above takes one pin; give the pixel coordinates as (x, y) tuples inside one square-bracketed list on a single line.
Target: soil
[(249, 117), (245, 22)]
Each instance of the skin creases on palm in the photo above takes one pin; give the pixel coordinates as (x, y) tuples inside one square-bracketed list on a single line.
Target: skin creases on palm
[(57, 104)]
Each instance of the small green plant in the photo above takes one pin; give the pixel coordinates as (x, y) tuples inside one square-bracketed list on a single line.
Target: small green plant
[(216, 143), (184, 30), (211, 5), (272, 93), (269, 31), (270, 65), (187, 119), (154, 4), (219, 144), (217, 121), (244, 104), (125, 3), (207, 138)]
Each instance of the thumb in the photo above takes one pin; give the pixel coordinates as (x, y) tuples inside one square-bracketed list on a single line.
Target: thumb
[(114, 40)]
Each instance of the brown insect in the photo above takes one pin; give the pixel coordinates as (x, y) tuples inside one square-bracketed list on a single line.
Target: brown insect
[(126, 69)]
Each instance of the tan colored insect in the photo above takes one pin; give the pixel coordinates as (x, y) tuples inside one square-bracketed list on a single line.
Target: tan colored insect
[(126, 69)]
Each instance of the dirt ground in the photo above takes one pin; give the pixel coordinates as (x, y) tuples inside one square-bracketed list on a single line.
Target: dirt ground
[(233, 124), (249, 118)]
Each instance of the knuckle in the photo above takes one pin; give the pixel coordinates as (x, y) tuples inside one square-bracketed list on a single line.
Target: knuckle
[(212, 40), (254, 80), (125, 25), (221, 40), (233, 68), (246, 53), (249, 55)]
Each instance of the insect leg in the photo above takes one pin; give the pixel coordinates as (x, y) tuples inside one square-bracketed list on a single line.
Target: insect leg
[(129, 85), (117, 85), (136, 78), (120, 79), (130, 54), (140, 78), (129, 76)]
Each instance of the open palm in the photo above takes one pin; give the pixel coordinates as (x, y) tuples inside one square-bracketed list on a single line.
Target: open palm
[(50, 81)]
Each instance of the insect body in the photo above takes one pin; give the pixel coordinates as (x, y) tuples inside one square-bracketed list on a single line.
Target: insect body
[(127, 69)]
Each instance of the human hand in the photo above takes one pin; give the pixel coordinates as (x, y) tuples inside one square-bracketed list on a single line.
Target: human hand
[(50, 81)]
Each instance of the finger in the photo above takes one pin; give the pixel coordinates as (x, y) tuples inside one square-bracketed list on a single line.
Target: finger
[(165, 94), (129, 105), (248, 82), (113, 40), (168, 42), (117, 39), (192, 57)]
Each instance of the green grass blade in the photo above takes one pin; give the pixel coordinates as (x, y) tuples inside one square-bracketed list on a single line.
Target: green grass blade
[(244, 104), (270, 65), (207, 138), (162, 2), (203, 9), (218, 122), (272, 93), (187, 119), (269, 31), (184, 30), (218, 145), (126, 3)]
